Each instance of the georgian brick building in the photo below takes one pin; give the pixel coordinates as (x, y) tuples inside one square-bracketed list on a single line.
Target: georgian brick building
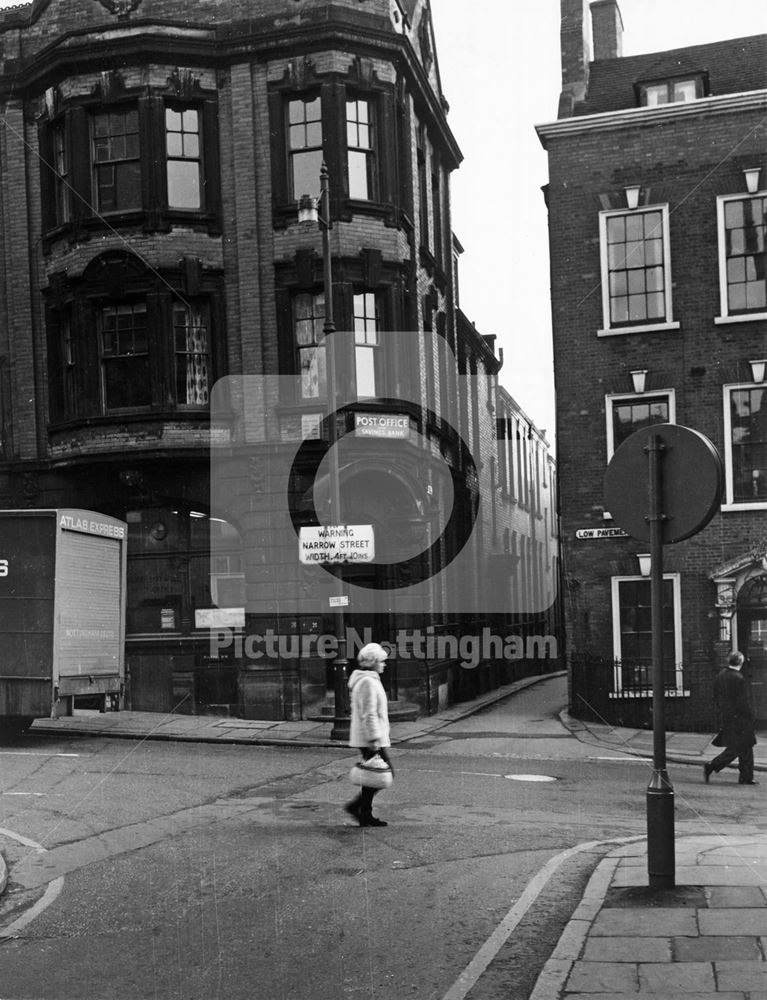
[(657, 201), (152, 156)]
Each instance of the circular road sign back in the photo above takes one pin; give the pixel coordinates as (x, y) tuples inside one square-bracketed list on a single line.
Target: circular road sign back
[(691, 479)]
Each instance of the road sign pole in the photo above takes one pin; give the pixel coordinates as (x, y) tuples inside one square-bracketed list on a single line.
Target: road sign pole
[(660, 793)]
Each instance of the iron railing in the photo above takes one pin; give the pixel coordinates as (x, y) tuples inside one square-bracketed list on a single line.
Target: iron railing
[(619, 693)]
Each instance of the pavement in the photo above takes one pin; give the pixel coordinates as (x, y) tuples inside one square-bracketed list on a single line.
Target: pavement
[(704, 936)]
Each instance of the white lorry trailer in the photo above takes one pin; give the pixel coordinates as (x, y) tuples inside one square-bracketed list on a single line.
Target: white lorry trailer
[(62, 612)]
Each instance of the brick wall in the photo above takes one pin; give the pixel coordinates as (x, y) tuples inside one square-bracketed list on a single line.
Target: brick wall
[(685, 163)]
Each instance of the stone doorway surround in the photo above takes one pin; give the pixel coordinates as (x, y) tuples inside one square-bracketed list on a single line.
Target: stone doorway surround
[(729, 579), (737, 582)]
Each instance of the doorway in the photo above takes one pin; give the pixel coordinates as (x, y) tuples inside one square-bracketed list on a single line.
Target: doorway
[(752, 640)]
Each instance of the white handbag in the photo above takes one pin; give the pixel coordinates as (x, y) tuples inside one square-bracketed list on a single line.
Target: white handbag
[(372, 773)]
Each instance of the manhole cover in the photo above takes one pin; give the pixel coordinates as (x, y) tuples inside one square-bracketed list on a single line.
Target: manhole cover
[(529, 777)]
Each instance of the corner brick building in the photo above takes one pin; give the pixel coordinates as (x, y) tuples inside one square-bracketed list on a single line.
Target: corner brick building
[(163, 351), (657, 200)]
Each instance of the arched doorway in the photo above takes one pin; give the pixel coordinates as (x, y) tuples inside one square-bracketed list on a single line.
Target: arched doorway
[(752, 638)]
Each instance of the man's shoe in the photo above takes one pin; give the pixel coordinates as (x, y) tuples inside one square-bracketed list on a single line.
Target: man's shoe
[(706, 772), (743, 781), (372, 821)]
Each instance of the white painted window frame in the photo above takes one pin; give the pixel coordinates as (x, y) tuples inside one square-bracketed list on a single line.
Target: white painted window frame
[(724, 315), (676, 580), (666, 324), (629, 397), (730, 503)]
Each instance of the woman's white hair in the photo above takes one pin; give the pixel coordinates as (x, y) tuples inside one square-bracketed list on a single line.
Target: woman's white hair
[(371, 654)]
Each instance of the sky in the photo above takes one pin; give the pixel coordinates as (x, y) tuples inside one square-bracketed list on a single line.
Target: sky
[(500, 68), (499, 63)]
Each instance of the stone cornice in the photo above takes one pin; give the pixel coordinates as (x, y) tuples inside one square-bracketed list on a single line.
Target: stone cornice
[(754, 100)]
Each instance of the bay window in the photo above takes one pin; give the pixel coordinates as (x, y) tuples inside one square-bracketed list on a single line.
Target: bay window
[(136, 350), (351, 127), (152, 158)]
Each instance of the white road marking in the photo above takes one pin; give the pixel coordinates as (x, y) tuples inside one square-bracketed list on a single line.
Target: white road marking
[(477, 966), (624, 760), (49, 896), (529, 777), (41, 794), (34, 753)]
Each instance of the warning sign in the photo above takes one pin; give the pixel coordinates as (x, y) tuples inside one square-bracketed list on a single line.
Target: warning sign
[(336, 543)]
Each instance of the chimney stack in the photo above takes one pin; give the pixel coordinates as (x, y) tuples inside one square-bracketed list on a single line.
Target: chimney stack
[(576, 54), (607, 26)]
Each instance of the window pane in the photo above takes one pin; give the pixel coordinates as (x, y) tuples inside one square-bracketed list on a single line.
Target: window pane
[(635, 227), (733, 214), (655, 279), (175, 144), (358, 175), (685, 90), (756, 297), (128, 186), (191, 145), (306, 173), (616, 257), (183, 184), (616, 229), (656, 94), (313, 374), (618, 283), (364, 358)]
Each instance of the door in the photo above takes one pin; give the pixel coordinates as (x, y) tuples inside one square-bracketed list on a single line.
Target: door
[(752, 640)]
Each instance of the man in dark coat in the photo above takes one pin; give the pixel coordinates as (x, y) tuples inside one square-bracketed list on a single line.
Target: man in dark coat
[(737, 733)]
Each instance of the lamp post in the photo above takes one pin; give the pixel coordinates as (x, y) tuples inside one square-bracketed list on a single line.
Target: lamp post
[(310, 211)]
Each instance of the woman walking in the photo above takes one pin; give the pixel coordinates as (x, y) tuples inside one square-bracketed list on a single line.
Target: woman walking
[(369, 730)]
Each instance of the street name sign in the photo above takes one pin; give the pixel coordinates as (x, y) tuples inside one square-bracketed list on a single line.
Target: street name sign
[(336, 543), (591, 533)]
